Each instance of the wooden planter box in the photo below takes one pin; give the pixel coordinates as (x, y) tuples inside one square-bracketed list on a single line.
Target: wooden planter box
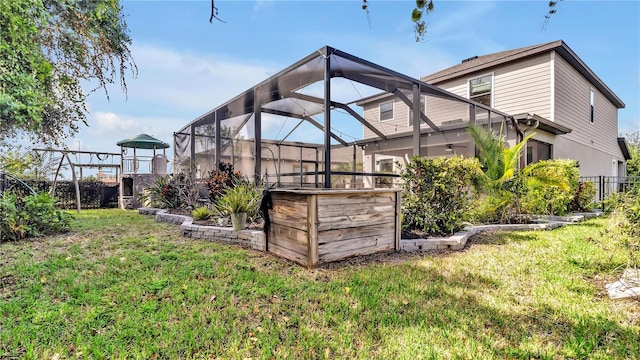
[(316, 226)]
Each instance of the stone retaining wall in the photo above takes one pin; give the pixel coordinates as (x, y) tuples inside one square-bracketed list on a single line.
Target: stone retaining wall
[(254, 239)]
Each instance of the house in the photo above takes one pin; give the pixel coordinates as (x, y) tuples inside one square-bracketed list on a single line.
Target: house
[(548, 90)]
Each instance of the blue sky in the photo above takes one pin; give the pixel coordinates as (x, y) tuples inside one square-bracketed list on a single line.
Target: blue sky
[(187, 66)]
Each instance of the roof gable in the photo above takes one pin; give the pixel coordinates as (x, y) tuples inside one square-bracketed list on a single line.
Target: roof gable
[(485, 62)]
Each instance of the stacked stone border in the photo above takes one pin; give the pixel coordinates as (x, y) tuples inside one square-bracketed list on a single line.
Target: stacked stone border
[(250, 238), (255, 239), (459, 240)]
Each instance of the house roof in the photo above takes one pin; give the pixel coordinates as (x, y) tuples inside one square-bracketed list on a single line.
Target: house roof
[(143, 141), (486, 62), (622, 142), (542, 123)]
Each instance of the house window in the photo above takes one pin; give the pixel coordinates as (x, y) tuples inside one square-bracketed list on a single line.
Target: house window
[(591, 98), (423, 106), (538, 150), (480, 90), (386, 111)]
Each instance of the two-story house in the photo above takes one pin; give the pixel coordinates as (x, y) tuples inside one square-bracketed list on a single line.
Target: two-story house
[(546, 87)]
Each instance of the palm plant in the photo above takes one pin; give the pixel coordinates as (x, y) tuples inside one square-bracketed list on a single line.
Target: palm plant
[(503, 183)]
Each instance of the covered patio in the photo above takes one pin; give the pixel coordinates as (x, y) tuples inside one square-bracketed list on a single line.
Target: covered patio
[(311, 103)]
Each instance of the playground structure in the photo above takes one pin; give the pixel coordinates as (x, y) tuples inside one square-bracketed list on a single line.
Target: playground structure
[(139, 171)]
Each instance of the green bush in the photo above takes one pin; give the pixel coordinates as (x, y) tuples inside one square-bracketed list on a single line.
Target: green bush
[(624, 226), (548, 196), (219, 180), (503, 204), (179, 191), (438, 193), (241, 198), (29, 216), (583, 199), (202, 213)]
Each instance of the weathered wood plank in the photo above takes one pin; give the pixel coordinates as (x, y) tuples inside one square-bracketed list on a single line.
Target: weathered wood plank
[(356, 198), (283, 231), (356, 244), (294, 211), (289, 244), (365, 251), (341, 222), (290, 221), (312, 225), (354, 233), (288, 254), (288, 197), (325, 212)]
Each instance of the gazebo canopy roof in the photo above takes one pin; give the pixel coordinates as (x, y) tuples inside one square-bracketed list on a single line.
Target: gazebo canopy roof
[(143, 141)]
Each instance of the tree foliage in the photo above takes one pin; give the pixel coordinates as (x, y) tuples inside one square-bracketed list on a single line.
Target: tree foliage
[(49, 49), (633, 165)]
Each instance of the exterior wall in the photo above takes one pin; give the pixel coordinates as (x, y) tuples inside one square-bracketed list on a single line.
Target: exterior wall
[(545, 85), (520, 87), (572, 109)]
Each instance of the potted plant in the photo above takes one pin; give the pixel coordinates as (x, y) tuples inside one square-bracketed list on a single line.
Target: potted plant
[(239, 201)]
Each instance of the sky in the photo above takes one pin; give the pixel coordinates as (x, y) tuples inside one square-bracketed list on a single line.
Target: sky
[(187, 66)]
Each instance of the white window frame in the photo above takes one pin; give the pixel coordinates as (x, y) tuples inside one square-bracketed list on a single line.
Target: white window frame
[(592, 105), (393, 110), (493, 77), (424, 110)]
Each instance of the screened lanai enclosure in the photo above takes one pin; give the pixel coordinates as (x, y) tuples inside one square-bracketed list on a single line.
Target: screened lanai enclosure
[(333, 120)]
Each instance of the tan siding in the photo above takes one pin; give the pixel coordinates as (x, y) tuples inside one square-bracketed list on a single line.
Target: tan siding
[(387, 127), (441, 110), (573, 110), (524, 87)]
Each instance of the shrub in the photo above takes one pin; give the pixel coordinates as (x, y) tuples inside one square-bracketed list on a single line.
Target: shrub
[(29, 216), (172, 192), (583, 199), (624, 226), (201, 213), (502, 204), (438, 195), (241, 198), (221, 179), (552, 186)]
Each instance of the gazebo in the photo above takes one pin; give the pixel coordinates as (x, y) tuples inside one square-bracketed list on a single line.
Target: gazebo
[(138, 171)]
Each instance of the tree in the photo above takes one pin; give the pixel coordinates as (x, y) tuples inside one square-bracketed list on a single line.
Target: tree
[(48, 50), (422, 9), (27, 164), (503, 182), (633, 165)]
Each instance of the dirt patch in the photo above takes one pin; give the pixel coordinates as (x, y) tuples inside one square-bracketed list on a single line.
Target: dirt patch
[(7, 287)]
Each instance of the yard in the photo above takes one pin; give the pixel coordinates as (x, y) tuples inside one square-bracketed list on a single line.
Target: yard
[(121, 285)]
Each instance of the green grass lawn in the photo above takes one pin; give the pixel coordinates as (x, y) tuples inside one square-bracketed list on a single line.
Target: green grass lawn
[(121, 285)]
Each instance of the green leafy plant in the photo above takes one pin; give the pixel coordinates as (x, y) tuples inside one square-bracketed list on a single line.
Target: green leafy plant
[(624, 224), (221, 179), (583, 199), (551, 186), (438, 193), (202, 213), (241, 198), (29, 216), (172, 192), (545, 186)]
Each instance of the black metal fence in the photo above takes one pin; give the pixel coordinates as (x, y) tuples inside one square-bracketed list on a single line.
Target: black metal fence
[(607, 185), (93, 194)]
